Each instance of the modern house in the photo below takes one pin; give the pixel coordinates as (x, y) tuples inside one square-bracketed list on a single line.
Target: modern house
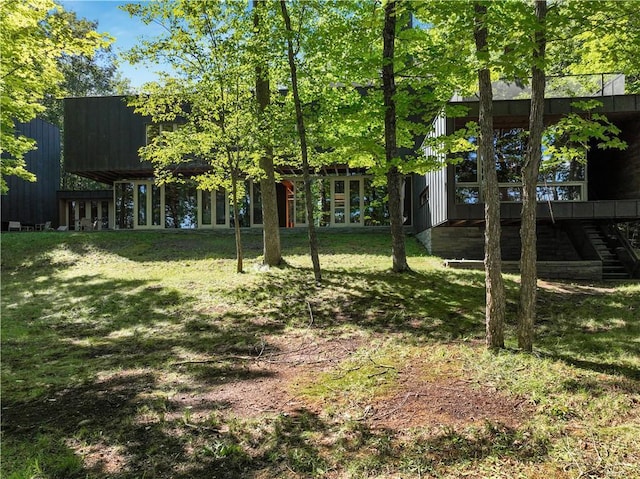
[(32, 203), (102, 138), (577, 203)]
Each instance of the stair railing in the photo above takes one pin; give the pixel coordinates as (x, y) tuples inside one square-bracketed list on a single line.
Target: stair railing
[(627, 253)]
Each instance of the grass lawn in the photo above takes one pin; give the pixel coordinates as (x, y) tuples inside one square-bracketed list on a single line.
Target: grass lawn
[(143, 355)]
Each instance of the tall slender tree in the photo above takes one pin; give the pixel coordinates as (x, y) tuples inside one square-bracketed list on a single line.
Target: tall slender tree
[(530, 170), (212, 97), (213, 49), (271, 226), (395, 178), (300, 124), (495, 294)]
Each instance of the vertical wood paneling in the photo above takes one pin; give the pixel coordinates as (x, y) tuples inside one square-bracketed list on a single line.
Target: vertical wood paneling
[(32, 203), (436, 180), (102, 134)]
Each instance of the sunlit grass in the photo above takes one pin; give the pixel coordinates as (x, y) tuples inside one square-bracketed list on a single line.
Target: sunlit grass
[(127, 321)]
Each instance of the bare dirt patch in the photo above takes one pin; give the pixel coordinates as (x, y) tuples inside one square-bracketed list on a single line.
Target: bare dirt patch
[(443, 402), (267, 385)]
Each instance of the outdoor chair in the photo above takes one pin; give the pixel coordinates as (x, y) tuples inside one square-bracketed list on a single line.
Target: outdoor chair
[(86, 224), (14, 226), (46, 226)]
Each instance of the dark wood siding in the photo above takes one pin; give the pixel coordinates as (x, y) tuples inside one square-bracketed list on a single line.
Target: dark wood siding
[(33, 203), (467, 242), (558, 210), (102, 136), (613, 174)]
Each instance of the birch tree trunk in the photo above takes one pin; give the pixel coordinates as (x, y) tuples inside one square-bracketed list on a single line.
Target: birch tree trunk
[(528, 255), (495, 294)]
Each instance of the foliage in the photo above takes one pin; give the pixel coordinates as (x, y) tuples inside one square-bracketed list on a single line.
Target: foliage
[(209, 99), (84, 75), (33, 38), (598, 37), (569, 138)]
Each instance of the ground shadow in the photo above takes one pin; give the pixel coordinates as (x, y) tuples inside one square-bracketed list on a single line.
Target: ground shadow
[(438, 305), (590, 329)]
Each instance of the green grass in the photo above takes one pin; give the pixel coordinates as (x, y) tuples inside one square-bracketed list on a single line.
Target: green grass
[(101, 332)]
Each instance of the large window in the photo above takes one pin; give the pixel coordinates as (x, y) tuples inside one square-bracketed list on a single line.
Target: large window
[(322, 192), (256, 201), (181, 206), (376, 210), (558, 181), (213, 207), (244, 208), (337, 201), (124, 205), (147, 205), (354, 201)]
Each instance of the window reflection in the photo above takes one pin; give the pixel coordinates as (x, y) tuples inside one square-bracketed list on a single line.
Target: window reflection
[(510, 149), (206, 207), (376, 209), (244, 205), (124, 205), (468, 195), (467, 169), (180, 206)]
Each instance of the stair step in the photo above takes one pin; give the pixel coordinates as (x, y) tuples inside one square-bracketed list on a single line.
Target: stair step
[(615, 276), (607, 271)]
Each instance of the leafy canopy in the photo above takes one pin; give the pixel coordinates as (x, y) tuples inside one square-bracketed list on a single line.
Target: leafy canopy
[(33, 38)]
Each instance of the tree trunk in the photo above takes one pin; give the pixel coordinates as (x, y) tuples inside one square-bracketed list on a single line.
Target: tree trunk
[(394, 176), (528, 256), (236, 222), (313, 240), (495, 294), (270, 222)]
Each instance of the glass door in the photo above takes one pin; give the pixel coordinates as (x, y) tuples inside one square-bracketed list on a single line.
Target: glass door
[(213, 209), (147, 201), (348, 203)]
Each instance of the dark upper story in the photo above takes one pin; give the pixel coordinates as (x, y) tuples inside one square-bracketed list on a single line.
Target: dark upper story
[(102, 136), (608, 186)]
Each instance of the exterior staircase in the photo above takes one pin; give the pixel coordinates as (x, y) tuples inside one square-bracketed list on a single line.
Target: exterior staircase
[(605, 245)]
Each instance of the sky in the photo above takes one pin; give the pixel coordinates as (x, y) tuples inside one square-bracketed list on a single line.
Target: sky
[(126, 30)]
